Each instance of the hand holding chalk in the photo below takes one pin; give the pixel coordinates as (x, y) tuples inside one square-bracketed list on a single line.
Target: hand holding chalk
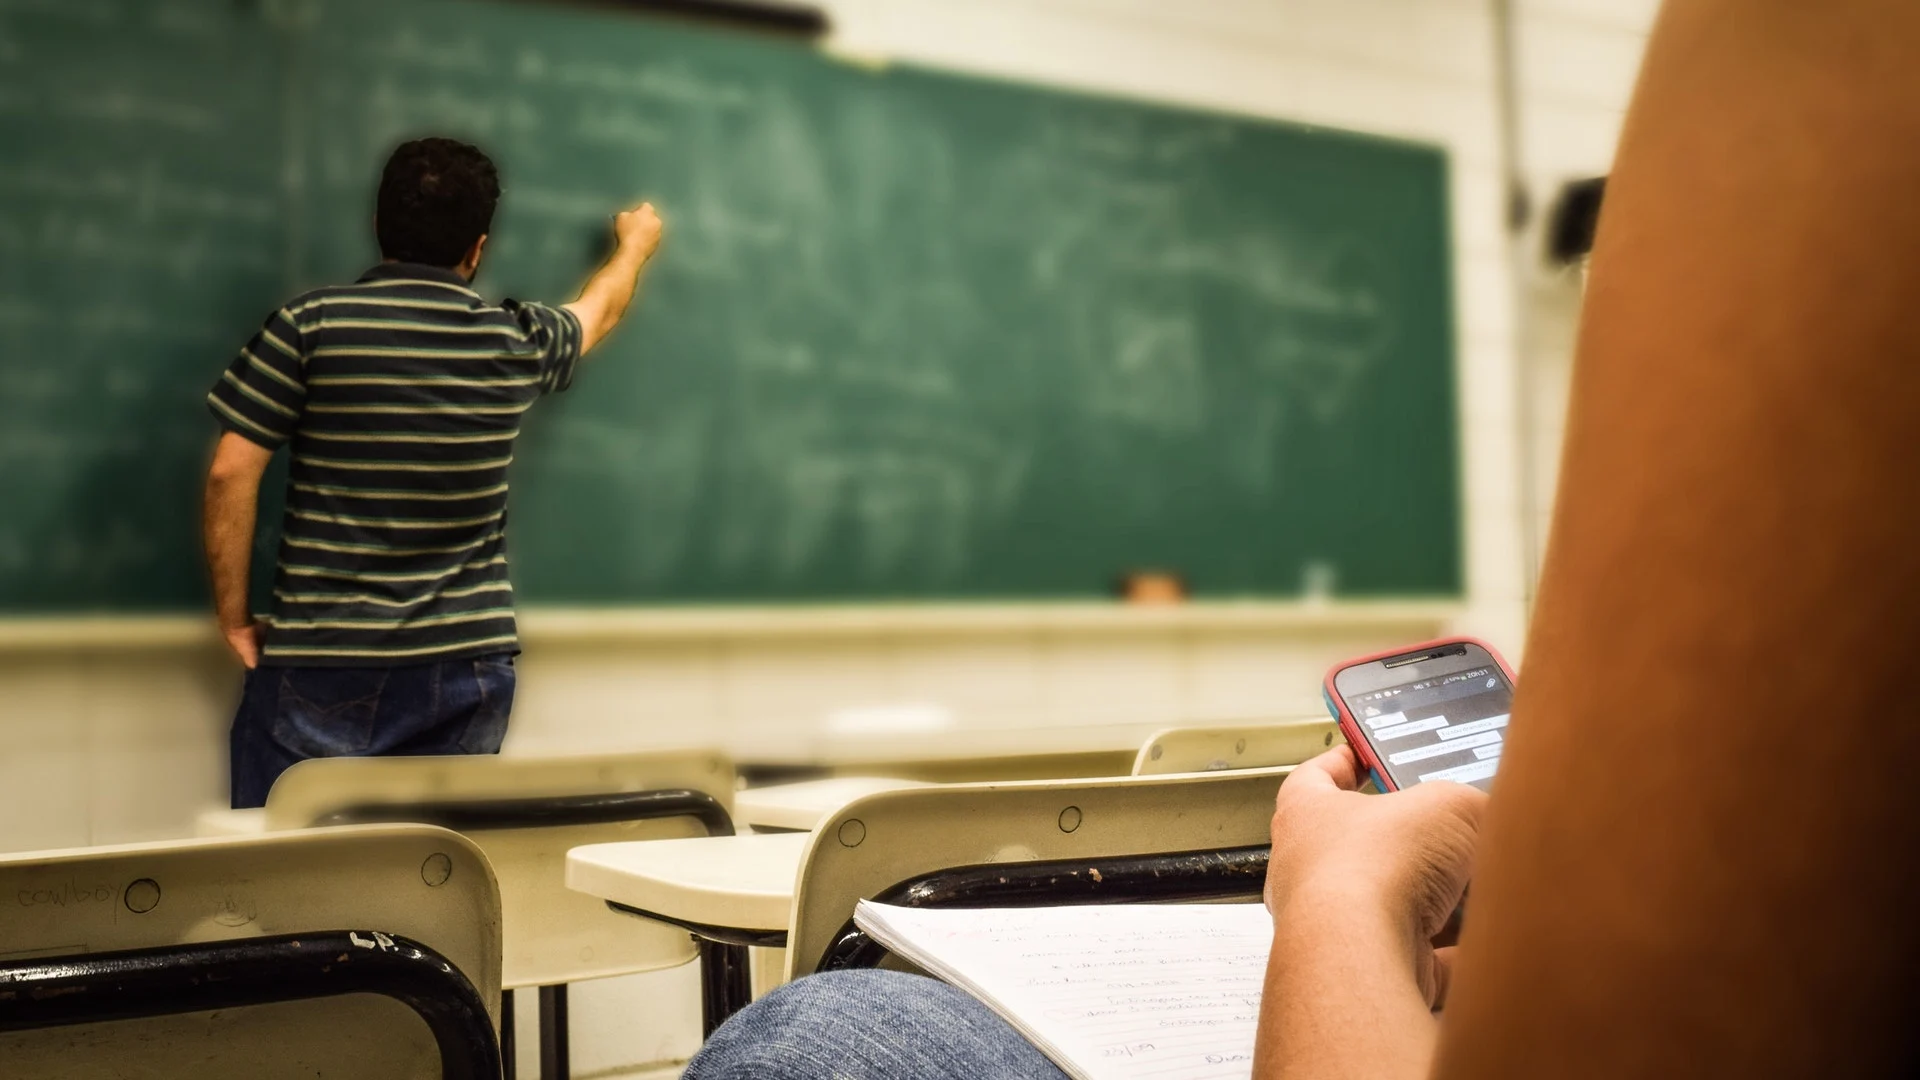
[(638, 229)]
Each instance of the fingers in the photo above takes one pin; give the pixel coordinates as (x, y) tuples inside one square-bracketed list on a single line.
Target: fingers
[(1464, 801), (246, 651), (639, 226), (1337, 768)]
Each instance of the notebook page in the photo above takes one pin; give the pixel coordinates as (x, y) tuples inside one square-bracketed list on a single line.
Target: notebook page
[(1126, 992)]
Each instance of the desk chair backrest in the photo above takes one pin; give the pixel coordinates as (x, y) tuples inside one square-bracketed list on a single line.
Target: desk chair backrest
[(1234, 746), (878, 842), (325, 910), (526, 813)]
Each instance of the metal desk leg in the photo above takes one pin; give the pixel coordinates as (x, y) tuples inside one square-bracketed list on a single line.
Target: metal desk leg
[(554, 1063), (726, 972), (726, 984), (509, 1061)]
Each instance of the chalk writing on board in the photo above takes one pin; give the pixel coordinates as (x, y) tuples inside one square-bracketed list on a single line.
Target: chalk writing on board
[(187, 20), (666, 82), (653, 473), (406, 47), (83, 554), (618, 125), (97, 12), (82, 237), (144, 190), (127, 109), (1153, 376)]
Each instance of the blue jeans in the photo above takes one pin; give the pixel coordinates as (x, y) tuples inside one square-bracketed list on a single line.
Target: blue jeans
[(868, 1025), (289, 714)]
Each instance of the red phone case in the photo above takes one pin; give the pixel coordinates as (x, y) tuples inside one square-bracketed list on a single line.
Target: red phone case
[(1350, 728)]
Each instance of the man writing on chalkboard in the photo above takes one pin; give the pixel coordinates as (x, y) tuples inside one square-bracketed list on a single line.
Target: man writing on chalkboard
[(391, 629)]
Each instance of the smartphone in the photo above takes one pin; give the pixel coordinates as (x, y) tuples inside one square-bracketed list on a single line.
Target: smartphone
[(1428, 712)]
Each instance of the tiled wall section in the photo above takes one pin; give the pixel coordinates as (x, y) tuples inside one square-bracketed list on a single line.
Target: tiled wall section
[(102, 747), (1577, 63)]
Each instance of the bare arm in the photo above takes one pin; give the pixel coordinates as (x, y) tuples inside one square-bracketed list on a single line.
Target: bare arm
[(1359, 887), (604, 301), (1696, 860), (227, 520)]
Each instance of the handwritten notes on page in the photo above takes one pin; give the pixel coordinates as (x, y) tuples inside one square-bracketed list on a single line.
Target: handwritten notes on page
[(1146, 991)]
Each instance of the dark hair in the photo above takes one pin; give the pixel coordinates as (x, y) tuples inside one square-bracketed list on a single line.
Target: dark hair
[(436, 198)]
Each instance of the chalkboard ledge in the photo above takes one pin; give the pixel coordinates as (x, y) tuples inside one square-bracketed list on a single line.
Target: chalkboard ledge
[(541, 626)]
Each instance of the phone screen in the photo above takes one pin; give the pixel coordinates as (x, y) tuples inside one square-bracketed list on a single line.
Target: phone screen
[(1437, 725)]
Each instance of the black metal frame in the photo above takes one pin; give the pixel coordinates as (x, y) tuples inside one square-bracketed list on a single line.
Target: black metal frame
[(803, 21), (726, 982), (545, 812), (541, 812), (56, 991), (723, 935), (1222, 874)]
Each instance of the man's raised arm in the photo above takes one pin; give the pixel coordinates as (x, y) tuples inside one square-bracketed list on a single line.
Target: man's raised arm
[(604, 301)]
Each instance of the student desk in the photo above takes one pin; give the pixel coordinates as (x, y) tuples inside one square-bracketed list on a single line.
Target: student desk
[(226, 822), (730, 892), (798, 807), (960, 754), (1186, 836), (739, 886)]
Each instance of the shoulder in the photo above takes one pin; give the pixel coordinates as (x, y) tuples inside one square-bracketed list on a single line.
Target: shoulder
[(309, 306), (553, 322), (532, 311)]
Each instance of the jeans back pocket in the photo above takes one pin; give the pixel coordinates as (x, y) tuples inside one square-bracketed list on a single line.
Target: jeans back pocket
[(328, 712), (493, 679)]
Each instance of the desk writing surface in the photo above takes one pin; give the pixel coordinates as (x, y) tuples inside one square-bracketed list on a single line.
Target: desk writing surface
[(742, 882)]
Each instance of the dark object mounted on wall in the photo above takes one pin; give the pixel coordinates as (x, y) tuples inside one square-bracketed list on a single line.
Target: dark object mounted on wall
[(1576, 211), (769, 16)]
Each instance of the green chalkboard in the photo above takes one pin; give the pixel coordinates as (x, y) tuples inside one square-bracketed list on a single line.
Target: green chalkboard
[(912, 334)]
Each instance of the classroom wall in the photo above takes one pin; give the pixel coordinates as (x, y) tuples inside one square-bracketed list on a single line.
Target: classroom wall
[(1577, 63), (113, 744)]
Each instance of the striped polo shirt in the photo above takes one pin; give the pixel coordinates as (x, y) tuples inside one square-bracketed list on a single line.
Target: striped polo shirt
[(401, 395)]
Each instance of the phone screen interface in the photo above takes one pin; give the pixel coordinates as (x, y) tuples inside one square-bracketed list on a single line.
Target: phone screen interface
[(1443, 727)]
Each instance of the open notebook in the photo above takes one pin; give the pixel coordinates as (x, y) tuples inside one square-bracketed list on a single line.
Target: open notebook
[(1160, 991)]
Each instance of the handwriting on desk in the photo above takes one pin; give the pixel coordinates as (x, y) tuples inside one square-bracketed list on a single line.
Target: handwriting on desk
[(66, 894), (1130, 992)]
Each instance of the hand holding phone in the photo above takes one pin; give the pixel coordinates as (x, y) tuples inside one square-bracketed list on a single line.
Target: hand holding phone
[(1430, 712), (1414, 854)]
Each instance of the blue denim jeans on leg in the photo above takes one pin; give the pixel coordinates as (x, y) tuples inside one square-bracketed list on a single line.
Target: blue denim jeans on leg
[(289, 714), (868, 1025)]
